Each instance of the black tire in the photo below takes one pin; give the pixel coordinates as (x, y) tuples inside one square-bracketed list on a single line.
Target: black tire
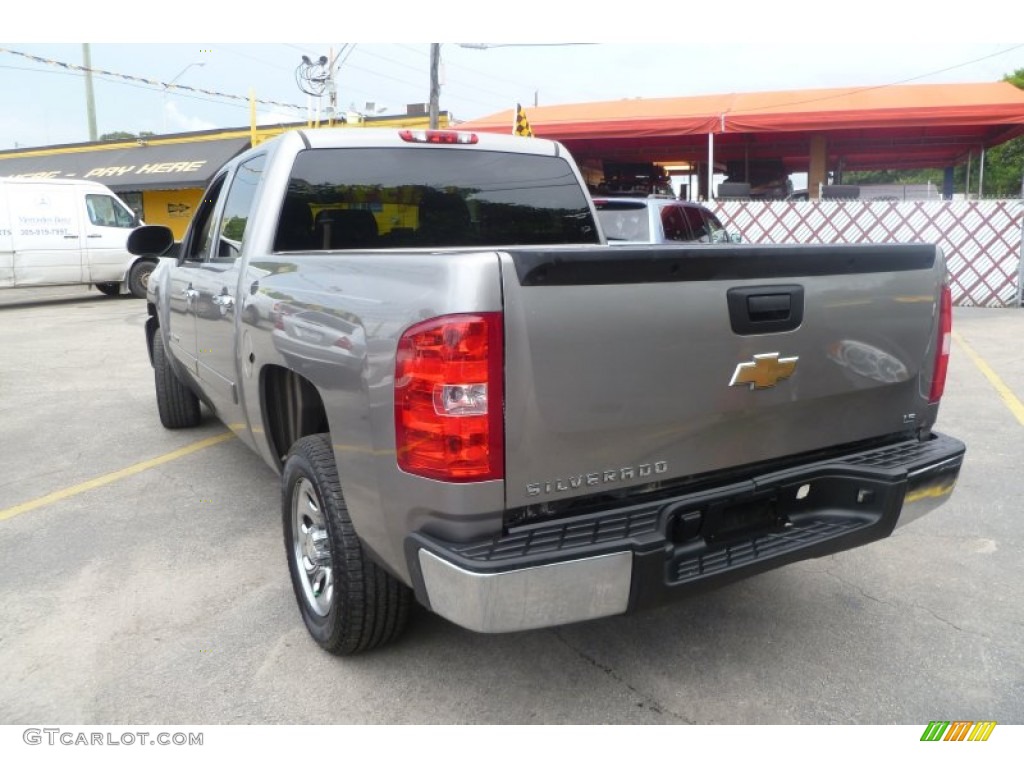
[(138, 278), (359, 605), (109, 289), (177, 404)]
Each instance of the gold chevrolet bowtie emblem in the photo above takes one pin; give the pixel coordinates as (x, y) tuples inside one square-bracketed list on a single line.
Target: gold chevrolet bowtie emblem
[(766, 371)]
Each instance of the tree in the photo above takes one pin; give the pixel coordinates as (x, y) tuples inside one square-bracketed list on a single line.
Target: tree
[(1004, 164), (123, 135)]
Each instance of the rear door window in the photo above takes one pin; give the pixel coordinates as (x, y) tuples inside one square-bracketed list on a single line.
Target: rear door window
[(432, 197), (673, 222), (237, 208), (698, 225)]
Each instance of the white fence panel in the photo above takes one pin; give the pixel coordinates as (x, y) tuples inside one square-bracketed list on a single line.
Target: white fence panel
[(981, 239)]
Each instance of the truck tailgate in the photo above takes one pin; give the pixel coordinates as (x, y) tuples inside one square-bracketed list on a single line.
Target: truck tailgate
[(642, 365)]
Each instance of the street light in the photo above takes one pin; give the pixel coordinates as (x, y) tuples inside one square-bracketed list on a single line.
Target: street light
[(168, 85)]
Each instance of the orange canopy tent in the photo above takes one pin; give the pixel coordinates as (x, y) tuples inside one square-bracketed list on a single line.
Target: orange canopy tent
[(895, 126)]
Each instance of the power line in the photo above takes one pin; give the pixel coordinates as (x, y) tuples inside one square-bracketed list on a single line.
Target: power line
[(144, 80), (452, 85), (888, 85)]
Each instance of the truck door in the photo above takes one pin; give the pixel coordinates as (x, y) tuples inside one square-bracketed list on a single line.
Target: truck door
[(107, 225), (186, 280), (218, 284), (47, 235)]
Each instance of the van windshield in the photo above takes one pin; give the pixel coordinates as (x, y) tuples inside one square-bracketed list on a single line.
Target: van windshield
[(431, 198)]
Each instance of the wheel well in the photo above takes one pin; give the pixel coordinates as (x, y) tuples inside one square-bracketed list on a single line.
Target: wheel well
[(152, 328), (292, 409)]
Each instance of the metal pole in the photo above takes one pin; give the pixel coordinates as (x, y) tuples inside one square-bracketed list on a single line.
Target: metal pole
[(711, 164), (90, 101), (967, 190), (435, 83), (981, 174), (332, 90), (1020, 264)]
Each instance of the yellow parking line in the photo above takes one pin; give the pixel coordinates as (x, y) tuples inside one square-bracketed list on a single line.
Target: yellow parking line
[(134, 469), (1011, 400)]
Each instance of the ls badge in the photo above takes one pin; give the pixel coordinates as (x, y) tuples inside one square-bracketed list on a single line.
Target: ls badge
[(766, 371)]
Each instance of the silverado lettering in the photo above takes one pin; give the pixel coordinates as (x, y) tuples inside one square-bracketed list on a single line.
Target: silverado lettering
[(596, 478)]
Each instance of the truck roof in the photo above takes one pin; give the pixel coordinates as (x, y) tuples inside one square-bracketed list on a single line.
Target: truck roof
[(322, 138)]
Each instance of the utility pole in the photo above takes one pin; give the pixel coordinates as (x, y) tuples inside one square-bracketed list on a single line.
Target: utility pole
[(90, 102), (435, 84), (332, 88)]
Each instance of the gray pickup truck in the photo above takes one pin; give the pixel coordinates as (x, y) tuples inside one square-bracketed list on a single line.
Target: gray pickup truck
[(474, 402)]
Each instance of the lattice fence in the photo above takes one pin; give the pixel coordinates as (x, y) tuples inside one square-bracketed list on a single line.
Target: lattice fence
[(981, 239)]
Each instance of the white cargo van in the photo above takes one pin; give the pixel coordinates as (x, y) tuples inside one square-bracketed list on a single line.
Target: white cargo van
[(63, 232)]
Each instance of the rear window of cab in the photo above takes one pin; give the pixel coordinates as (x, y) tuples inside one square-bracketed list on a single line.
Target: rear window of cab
[(368, 198)]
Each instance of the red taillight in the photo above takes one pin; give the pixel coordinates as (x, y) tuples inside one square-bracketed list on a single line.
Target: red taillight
[(438, 137), (945, 340), (449, 398)]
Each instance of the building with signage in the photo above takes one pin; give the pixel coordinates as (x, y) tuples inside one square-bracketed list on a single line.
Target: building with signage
[(163, 177)]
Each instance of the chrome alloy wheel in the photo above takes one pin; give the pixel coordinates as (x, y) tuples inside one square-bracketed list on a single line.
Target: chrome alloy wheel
[(312, 546)]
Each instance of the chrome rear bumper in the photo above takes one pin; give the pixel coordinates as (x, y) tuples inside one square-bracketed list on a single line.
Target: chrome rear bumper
[(613, 562), (529, 598)]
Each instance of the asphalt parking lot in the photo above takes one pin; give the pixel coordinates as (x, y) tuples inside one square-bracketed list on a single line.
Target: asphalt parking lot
[(143, 578)]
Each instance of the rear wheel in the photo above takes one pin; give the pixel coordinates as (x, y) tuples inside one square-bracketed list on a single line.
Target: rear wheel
[(109, 289), (138, 278), (177, 404), (348, 603)]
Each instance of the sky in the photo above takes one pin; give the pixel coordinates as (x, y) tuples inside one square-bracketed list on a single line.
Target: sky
[(688, 52)]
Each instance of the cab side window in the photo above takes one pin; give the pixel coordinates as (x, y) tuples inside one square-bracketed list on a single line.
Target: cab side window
[(237, 209), (105, 211), (201, 231)]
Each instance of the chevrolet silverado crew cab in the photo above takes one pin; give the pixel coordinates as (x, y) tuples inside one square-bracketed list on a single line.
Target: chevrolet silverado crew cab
[(474, 402)]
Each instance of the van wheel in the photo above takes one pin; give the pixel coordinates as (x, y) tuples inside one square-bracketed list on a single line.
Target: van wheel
[(109, 289), (138, 278), (348, 603), (177, 404)]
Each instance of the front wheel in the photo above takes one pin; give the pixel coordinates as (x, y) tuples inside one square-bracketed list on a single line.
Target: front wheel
[(138, 278), (177, 404), (348, 603)]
